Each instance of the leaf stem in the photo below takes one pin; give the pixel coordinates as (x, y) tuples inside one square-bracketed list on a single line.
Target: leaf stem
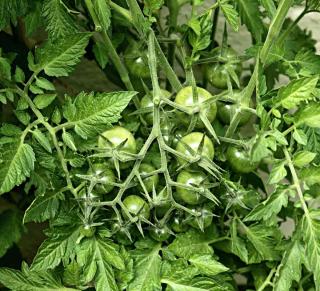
[(267, 281), (275, 28), (296, 181)]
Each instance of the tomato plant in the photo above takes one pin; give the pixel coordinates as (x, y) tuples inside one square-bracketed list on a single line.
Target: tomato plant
[(159, 145)]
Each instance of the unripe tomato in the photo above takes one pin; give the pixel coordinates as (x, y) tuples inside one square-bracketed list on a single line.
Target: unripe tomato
[(186, 99), (105, 175), (194, 179), (151, 181), (204, 219), (146, 102), (227, 110), (160, 233), (193, 141), (136, 206), (178, 224), (115, 136), (136, 60), (217, 73), (240, 160)]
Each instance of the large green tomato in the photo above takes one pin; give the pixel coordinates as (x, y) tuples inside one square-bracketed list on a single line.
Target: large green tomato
[(151, 181), (240, 161), (136, 207), (104, 175), (146, 102), (189, 145), (227, 110), (186, 99), (194, 179), (115, 136), (217, 73)]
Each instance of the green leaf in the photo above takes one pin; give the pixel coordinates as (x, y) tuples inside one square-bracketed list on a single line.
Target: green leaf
[(44, 84), (19, 76), (93, 113), (43, 207), (271, 206), (278, 172), (102, 10), (250, 15), (5, 69), (307, 63), (263, 240), (101, 54), (311, 237), (41, 138), (11, 229), (56, 116), (290, 267), (60, 245), (300, 137), (97, 256), (230, 14), (310, 175), (10, 130), (178, 276), (58, 58), (297, 91), (309, 115), (44, 100), (59, 22), (35, 281), (23, 116), (17, 163), (238, 246), (303, 158), (11, 10), (207, 265), (35, 89), (187, 244), (69, 140), (147, 262), (270, 7), (313, 144), (33, 19), (201, 39)]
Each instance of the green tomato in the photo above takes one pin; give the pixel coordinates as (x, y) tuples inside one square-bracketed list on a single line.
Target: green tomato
[(160, 233), (178, 224), (115, 136), (194, 179), (203, 218), (136, 60), (217, 73), (136, 207), (240, 161), (185, 98), (87, 231), (105, 175), (146, 102), (227, 110), (151, 181), (189, 145)]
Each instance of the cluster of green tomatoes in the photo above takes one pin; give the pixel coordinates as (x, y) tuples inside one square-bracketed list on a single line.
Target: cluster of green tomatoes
[(145, 203)]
